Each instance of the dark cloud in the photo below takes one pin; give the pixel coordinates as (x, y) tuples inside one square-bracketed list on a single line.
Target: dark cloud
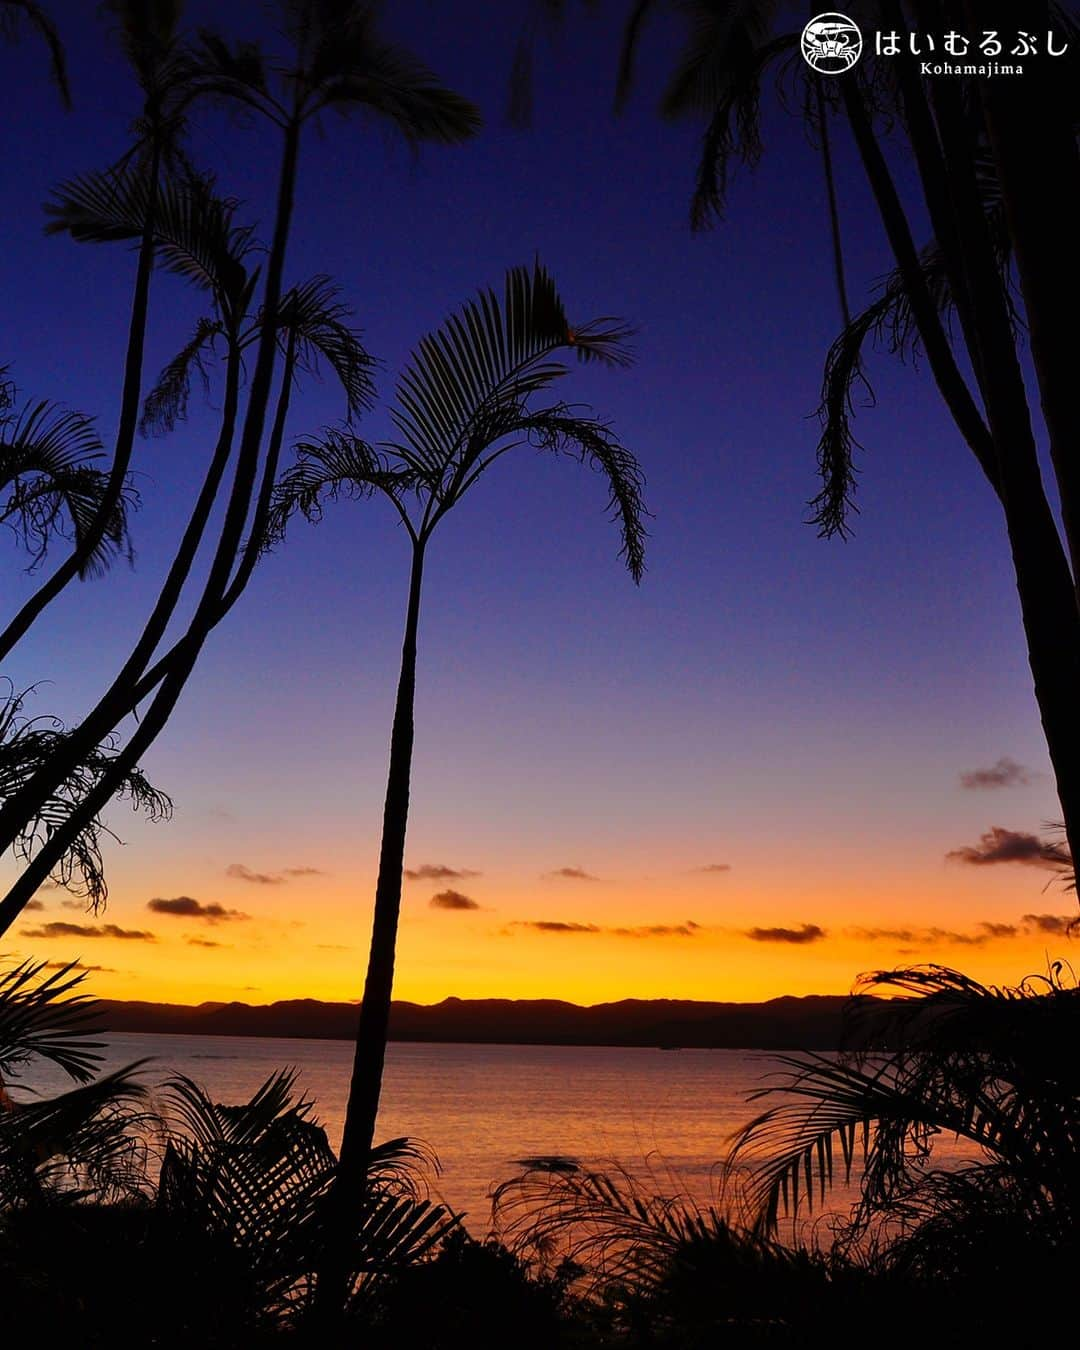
[(572, 874), (238, 872), (1061, 925), (1005, 773), (983, 932), (439, 872), (452, 900), (34, 904), (187, 907), (557, 926), (999, 845), (80, 905), (79, 965), (687, 929), (304, 872), (714, 867), (106, 930), (204, 942), (799, 937), (999, 930)]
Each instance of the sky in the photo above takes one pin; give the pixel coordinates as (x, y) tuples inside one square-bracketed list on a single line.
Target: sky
[(777, 763)]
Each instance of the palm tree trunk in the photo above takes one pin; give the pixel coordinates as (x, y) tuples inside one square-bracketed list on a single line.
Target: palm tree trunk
[(125, 433), (24, 805), (365, 1086)]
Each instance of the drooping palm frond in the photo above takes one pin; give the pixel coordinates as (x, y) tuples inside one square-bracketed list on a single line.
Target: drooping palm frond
[(316, 318), (348, 64), (47, 457), (887, 322), (14, 14), (25, 744), (167, 403), (978, 1063)]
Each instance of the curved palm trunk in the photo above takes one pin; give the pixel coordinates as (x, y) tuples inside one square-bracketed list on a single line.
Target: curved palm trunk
[(372, 1029), (125, 433)]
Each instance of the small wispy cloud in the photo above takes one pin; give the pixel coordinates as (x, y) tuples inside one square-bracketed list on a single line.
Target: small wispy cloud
[(439, 872), (79, 965), (303, 872), (238, 872), (58, 929), (999, 845), (688, 929), (204, 942), (797, 937), (1061, 925), (187, 907), (572, 874), (34, 905), (714, 867), (1005, 773), (453, 900)]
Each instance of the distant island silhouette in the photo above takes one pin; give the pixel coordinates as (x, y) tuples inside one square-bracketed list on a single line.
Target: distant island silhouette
[(787, 1023)]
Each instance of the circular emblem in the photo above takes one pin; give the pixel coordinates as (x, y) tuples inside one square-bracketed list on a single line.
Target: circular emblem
[(831, 44)]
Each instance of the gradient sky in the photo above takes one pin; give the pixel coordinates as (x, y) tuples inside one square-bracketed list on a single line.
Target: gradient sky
[(739, 780)]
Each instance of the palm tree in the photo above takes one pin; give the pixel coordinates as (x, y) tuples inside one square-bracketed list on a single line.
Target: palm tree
[(17, 14), (339, 62), (950, 1057), (467, 397), (988, 200)]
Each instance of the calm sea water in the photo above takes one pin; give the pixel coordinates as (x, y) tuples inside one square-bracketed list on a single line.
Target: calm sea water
[(666, 1115)]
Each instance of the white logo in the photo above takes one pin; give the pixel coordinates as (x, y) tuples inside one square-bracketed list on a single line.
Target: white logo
[(831, 44)]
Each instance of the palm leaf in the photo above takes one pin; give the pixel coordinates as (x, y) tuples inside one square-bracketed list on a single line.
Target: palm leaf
[(316, 319), (13, 13), (42, 1018), (167, 403)]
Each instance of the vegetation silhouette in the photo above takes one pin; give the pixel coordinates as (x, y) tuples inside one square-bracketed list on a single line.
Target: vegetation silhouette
[(996, 171), (467, 397), (17, 15), (336, 60)]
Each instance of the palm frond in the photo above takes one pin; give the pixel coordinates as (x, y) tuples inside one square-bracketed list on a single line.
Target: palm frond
[(167, 403), (13, 13), (316, 318), (887, 322), (349, 65), (47, 457), (41, 1017)]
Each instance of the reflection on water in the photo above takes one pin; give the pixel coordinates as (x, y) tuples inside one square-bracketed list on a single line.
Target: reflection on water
[(668, 1117)]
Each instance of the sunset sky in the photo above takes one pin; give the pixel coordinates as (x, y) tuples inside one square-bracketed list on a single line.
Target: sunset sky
[(779, 762)]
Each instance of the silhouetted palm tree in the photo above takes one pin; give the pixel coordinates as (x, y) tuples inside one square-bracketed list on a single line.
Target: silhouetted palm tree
[(15, 15), (339, 61), (468, 396), (989, 200)]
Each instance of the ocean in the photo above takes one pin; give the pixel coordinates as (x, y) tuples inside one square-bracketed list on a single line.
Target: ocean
[(666, 1115)]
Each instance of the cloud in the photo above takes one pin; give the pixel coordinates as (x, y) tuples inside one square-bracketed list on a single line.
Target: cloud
[(238, 872), (107, 930), (687, 929), (187, 907), (1005, 773), (572, 874), (799, 937), (999, 845), (204, 942), (1062, 925), (439, 872), (34, 904), (556, 926), (304, 872), (64, 965), (452, 900), (714, 867), (661, 930)]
